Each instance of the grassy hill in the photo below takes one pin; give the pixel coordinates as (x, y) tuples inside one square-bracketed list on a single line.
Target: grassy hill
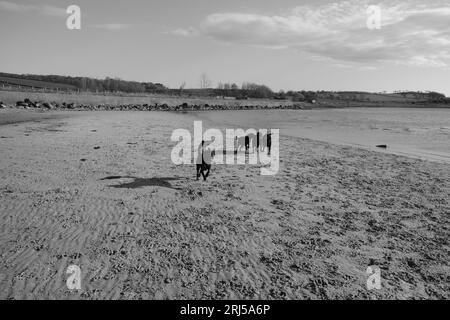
[(16, 82)]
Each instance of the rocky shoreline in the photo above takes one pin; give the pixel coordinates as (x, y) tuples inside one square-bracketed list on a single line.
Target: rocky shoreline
[(28, 104)]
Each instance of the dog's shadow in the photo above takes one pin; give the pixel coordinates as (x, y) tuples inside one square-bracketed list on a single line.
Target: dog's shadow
[(143, 182)]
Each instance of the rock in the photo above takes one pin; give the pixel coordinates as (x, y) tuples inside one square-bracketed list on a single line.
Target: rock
[(30, 103), (48, 105), (2, 105), (21, 104)]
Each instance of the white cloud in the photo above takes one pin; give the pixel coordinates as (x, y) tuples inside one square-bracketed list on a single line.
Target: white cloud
[(53, 11), (412, 33), (10, 6), (113, 26), (40, 9), (189, 32)]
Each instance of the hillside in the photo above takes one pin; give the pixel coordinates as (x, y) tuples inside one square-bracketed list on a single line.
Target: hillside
[(24, 85), (20, 82), (67, 83)]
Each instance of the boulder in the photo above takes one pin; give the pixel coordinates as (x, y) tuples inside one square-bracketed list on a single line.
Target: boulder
[(30, 103), (21, 104), (48, 105)]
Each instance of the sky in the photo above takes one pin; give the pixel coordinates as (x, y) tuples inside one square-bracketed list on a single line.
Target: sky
[(285, 44)]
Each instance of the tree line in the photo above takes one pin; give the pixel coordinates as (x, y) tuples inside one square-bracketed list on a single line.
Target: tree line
[(247, 90), (94, 85)]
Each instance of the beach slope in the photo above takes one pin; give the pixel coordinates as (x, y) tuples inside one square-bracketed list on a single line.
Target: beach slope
[(98, 190)]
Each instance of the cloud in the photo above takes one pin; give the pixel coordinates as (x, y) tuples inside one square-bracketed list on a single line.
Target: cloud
[(9, 6), (54, 11), (40, 9), (189, 32), (113, 26), (413, 32)]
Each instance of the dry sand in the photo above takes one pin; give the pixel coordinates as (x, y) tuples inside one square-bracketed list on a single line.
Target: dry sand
[(140, 227)]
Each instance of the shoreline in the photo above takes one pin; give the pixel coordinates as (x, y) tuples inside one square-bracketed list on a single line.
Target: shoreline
[(92, 101), (18, 116)]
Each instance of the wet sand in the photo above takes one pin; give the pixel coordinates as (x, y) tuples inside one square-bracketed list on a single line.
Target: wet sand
[(98, 190), (8, 116)]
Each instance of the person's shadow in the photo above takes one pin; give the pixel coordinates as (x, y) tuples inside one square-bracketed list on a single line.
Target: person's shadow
[(143, 182)]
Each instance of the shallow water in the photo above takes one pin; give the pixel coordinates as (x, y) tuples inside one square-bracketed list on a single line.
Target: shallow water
[(421, 133)]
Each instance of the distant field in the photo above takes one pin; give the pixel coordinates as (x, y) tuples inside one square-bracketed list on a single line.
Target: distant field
[(35, 83), (11, 97), (388, 97)]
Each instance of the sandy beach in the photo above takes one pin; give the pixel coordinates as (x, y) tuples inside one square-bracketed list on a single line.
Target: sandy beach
[(98, 190)]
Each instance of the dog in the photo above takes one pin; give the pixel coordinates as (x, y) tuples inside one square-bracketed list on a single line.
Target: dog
[(204, 169)]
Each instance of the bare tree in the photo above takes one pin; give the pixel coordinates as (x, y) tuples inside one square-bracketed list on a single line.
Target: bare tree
[(182, 86), (205, 82)]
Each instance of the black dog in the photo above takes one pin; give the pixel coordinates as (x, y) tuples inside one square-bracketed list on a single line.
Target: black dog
[(204, 168), (201, 169)]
